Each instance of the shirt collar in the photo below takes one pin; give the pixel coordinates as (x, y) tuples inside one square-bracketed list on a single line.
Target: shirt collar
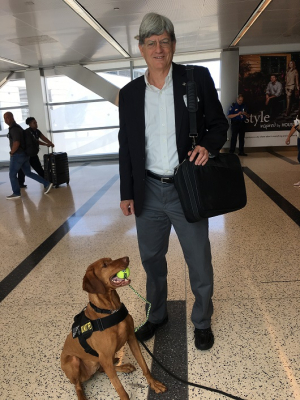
[(168, 79), (13, 125)]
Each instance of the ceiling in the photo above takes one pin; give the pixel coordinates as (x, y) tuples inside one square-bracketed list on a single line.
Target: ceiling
[(47, 33)]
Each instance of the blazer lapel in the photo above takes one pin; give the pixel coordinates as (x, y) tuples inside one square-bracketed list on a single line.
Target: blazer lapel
[(139, 110), (179, 89)]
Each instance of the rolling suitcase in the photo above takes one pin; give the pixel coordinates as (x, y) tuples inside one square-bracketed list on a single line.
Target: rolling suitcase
[(56, 166)]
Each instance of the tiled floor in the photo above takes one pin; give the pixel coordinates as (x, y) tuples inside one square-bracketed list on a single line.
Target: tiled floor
[(47, 242)]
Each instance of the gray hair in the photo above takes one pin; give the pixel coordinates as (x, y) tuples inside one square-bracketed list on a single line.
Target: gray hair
[(155, 24)]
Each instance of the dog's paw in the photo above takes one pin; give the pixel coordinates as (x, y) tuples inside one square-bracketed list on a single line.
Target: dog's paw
[(157, 386), (126, 368)]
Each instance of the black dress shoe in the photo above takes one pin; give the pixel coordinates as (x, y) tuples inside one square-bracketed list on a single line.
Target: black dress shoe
[(147, 331), (23, 186), (243, 154), (204, 338)]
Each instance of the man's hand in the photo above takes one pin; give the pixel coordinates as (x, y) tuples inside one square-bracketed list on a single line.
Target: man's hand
[(201, 155), (267, 99), (127, 207)]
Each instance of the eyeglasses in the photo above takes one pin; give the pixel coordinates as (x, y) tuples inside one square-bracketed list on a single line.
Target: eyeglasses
[(153, 44)]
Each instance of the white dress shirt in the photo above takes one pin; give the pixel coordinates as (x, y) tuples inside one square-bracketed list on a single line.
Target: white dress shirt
[(274, 89), (160, 131)]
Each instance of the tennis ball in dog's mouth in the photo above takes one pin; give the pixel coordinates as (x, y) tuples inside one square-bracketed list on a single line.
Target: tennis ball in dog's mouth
[(124, 274)]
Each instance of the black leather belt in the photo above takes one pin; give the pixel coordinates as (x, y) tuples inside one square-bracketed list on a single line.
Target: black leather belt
[(162, 179)]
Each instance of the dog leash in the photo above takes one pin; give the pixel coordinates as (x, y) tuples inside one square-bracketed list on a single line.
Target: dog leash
[(165, 369), (231, 396), (148, 311)]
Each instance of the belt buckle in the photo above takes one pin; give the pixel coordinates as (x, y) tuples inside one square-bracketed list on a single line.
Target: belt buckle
[(165, 180)]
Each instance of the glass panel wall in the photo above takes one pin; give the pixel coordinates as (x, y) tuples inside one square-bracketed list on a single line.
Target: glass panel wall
[(82, 122), (88, 142), (62, 89), (13, 98), (83, 115), (118, 78)]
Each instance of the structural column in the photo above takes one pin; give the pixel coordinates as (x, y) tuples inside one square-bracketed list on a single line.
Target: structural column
[(37, 103), (229, 79)]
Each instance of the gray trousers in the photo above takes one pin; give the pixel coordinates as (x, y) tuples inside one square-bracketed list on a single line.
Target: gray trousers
[(161, 210)]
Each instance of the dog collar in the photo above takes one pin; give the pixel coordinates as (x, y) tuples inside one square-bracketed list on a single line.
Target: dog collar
[(102, 311)]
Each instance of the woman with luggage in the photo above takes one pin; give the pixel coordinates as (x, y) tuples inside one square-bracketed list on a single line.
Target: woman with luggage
[(43, 141)]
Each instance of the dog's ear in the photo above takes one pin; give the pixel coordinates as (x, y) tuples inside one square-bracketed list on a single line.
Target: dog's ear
[(92, 284)]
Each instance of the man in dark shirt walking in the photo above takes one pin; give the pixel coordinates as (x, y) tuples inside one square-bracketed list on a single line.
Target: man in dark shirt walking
[(238, 114), (19, 159)]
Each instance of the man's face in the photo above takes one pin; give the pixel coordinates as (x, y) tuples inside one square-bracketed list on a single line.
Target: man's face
[(158, 51), (8, 118), (273, 78), (240, 100)]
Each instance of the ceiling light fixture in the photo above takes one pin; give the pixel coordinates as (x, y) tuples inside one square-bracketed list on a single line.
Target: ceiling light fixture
[(257, 12), (13, 62), (84, 14)]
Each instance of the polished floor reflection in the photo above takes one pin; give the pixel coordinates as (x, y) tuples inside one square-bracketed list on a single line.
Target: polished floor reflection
[(47, 242)]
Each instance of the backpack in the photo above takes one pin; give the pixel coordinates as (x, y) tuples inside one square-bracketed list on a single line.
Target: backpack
[(31, 143)]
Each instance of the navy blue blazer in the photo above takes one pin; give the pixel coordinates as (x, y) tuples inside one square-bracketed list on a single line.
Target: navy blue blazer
[(211, 123)]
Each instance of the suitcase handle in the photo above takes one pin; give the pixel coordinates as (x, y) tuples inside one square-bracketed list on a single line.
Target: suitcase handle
[(49, 151)]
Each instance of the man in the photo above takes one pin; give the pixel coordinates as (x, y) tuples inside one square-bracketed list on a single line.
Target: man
[(19, 159), (154, 138), (273, 95), (238, 114)]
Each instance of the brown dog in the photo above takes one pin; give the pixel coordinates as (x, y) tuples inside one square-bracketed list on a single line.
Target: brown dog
[(101, 282)]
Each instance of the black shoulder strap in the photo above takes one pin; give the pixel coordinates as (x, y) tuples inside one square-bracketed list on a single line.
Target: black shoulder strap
[(192, 102), (86, 346)]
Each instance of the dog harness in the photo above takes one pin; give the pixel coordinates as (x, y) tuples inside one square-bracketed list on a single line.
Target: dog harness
[(83, 327)]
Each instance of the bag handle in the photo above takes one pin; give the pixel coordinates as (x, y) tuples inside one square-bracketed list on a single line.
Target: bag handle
[(192, 103)]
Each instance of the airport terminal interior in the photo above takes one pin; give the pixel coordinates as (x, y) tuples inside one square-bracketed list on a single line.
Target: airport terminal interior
[(63, 62)]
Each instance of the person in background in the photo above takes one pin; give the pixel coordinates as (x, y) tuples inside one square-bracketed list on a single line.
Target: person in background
[(291, 85), (154, 138), (295, 128), (238, 114), (19, 159), (274, 93), (43, 141)]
